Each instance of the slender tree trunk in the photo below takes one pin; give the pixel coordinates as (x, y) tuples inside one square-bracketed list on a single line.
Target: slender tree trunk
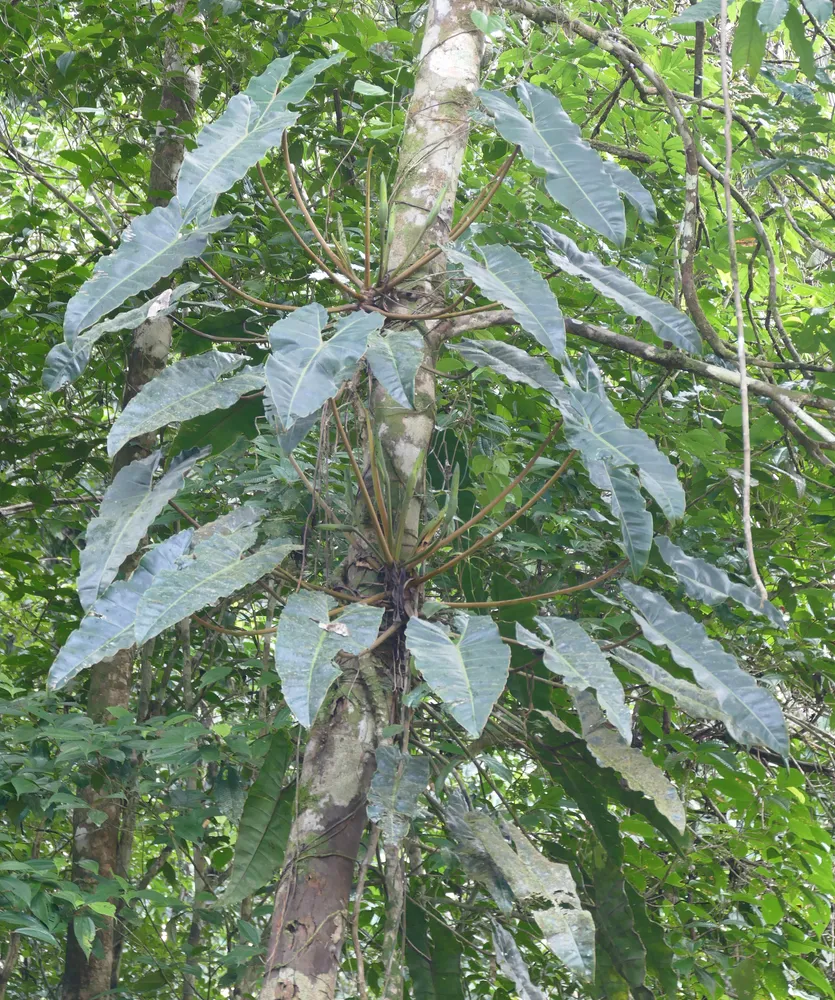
[(109, 843), (310, 918)]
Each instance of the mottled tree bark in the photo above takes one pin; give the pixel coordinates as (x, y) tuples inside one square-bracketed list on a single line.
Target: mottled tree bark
[(310, 918), (109, 844)]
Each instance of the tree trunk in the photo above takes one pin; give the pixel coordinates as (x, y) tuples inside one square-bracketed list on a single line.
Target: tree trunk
[(310, 916), (109, 844)]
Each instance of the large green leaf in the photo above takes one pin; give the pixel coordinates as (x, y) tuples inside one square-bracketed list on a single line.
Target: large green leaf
[(667, 321), (659, 954), (109, 625), (252, 123), (693, 700), (512, 362), (395, 789), (610, 749), (264, 827), (574, 174), (128, 508), (708, 583), (572, 655), (753, 715), (749, 41), (511, 279), (629, 508), (66, 361), (213, 570), (704, 10), (307, 643), (469, 673), (394, 360), (634, 191), (152, 247), (771, 13), (615, 925), (188, 388), (801, 43), (595, 428), (513, 966), (304, 371)]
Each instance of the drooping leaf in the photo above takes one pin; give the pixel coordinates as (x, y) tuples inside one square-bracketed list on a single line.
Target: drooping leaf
[(704, 10), (84, 930), (572, 655), (574, 173), (213, 570), (513, 965), (771, 13), (109, 626), (468, 673), (472, 854), (613, 919), (753, 714), (219, 431), (629, 508), (394, 360), (610, 749), (188, 388), (631, 187), (303, 371), (508, 277), (595, 428), (803, 48), (418, 952), (659, 953), (667, 321), (65, 362), (152, 247), (710, 584), (264, 828), (820, 10), (749, 41), (512, 362), (252, 123), (128, 508), (307, 643), (395, 788), (693, 700)]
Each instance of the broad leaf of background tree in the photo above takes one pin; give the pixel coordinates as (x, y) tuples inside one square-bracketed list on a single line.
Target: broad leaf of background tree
[(629, 508), (753, 715), (303, 371), (188, 388), (66, 361), (634, 191), (572, 655), (693, 700), (512, 362), (307, 642), (128, 508), (708, 583), (395, 789), (610, 749), (771, 13), (508, 277), (574, 174), (264, 827), (513, 965), (801, 43), (213, 570), (394, 360), (252, 123), (152, 247), (749, 41), (109, 626), (469, 673), (667, 321)]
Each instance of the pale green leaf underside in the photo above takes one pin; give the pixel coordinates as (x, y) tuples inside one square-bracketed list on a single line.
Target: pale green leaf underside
[(629, 508), (693, 700), (395, 789), (394, 360), (511, 362), (633, 190)]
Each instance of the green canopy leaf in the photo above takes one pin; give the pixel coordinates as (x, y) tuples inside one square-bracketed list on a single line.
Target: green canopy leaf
[(395, 789), (469, 673), (394, 360), (188, 388), (749, 41), (633, 190), (307, 643), (512, 362), (753, 715), (693, 700), (575, 175), (771, 13), (629, 508), (704, 10)]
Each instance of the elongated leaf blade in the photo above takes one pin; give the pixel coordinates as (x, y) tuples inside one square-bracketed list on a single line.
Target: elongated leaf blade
[(507, 276), (188, 388), (215, 569), (152, 247), (574, 173), (252, 123), (610, 749), (668, 322), (771, 13), (394, 361), (395, 789), (629, 508), (264, 827), (109, 626), (512, 362), (307, 643), (749, 40), (631, 187), (304, 371), (753, 715), (706, 582), (468, 674), (128, 508), (695, 701), (572, 655), (615, 927), (66, 361), (513, 966)]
